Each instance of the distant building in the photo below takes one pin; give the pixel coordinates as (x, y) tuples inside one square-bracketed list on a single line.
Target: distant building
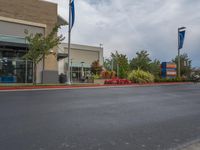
[(15, 16), (82, 57)]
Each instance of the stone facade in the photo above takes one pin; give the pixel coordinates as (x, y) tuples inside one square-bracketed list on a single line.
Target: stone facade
[(30, 10)]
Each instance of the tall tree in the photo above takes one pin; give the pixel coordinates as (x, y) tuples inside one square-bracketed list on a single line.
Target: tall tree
[(120, 64), (141, 61), (186, 64), (39, 46)]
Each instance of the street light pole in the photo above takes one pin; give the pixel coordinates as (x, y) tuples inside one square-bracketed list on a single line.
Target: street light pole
[(82, 71), (69, 41), (112, 63), (179, 60), (117, 70), (71, 70)]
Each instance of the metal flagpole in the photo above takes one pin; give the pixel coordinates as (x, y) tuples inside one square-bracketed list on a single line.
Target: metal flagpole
[(181, 36), (179, 63), (69, 44), (26, 67)]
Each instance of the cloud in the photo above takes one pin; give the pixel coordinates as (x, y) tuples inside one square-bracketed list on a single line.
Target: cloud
[(129, 26)]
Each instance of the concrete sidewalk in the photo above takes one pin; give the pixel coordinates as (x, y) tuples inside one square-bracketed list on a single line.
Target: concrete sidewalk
[(194, 145)]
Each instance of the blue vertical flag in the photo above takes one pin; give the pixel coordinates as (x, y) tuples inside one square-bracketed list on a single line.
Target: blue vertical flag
[(72, 17), (181, 36)]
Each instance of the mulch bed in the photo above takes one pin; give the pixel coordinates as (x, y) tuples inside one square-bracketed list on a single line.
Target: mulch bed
[(24, 87)]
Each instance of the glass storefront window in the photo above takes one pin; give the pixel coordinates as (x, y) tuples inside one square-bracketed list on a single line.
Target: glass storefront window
[(76, 73), (14, 69)]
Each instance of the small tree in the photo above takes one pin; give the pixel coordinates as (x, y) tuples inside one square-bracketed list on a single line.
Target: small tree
[(96, 68), (39, 46)]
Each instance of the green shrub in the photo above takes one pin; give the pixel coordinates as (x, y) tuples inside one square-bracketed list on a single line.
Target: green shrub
[(140, 76), (96, 76)]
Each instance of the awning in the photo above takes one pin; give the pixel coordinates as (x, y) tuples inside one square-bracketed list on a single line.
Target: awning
[(61, 56), (62, 21), (6, 40), (12, 39)]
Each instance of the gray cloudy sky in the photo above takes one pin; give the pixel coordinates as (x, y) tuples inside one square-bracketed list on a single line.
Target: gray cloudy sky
[(132, 25)]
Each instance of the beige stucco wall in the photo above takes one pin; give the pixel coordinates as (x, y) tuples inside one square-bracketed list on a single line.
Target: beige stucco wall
[(86, 56), (80, 53), (33, 13)]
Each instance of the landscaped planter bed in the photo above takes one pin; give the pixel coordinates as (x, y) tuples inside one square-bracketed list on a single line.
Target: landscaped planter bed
[(117, 81)]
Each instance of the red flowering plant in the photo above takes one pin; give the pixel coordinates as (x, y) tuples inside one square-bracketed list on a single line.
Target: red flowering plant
[(117, 81)]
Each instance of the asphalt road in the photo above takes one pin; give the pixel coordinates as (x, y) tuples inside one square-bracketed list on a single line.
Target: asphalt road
[(137, 118)]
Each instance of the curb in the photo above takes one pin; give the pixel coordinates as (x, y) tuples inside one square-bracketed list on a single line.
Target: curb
[(31, 88), (193, 145)]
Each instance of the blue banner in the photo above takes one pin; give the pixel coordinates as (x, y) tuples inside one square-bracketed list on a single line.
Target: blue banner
[(181, 36), (72, 9)]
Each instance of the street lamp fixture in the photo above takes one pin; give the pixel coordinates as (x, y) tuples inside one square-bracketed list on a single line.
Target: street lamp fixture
[(82, 63), (82, 70)]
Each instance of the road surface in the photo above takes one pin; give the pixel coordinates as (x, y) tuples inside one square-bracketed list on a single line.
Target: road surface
[(133, 118)]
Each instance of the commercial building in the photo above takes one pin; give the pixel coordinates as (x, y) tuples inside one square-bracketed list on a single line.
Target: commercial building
[(81, 58), (37, 17)]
